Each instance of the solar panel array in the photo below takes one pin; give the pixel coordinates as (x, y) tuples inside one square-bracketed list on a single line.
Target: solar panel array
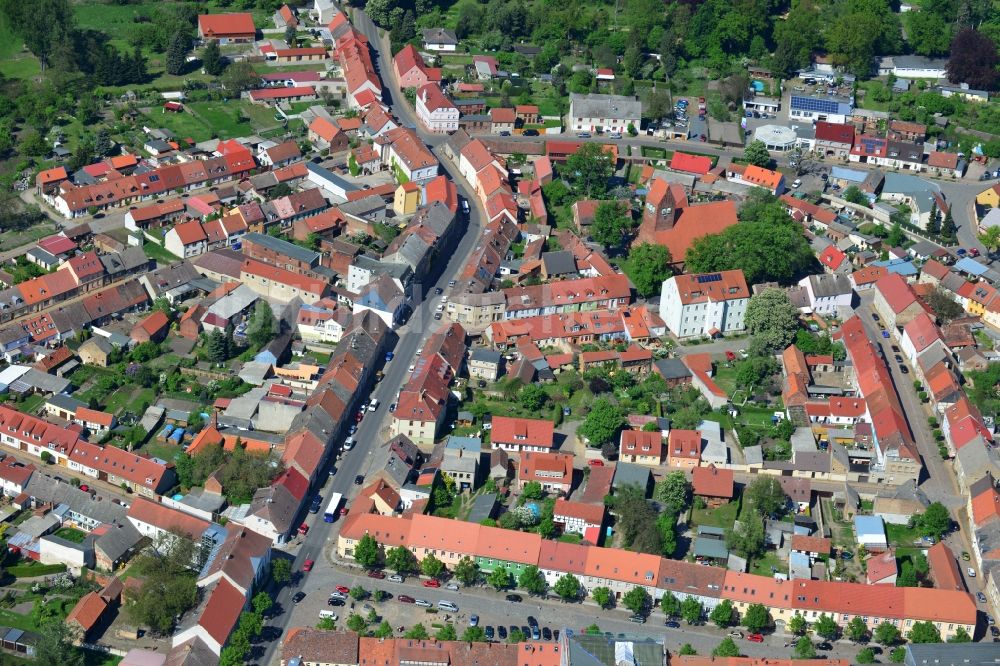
[(815, 104), (705, 279)]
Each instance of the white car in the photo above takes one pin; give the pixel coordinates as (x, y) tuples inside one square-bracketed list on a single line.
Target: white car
[(448, 606), (373, 405), (797, 183), (971, 572), (395, 578), (452, 587), (328, 615), (422, 603)]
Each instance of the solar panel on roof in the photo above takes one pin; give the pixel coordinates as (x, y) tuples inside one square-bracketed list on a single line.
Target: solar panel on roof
[(705, 279)]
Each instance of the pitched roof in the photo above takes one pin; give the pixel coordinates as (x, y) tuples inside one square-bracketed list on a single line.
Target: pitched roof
[(522, 432), (711, 287), (881, 566), (897, 293), (697, 164), (712, 482), (165, 518), (761, 176), (589, 513), (226, 25), (225, 603), (986, 506), (835, 132), (832, 257)]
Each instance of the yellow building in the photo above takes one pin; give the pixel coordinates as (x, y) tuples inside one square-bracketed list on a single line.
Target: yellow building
[(989, 197), (406, 199)]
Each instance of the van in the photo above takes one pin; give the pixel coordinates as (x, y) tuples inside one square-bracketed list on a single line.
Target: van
[(448, 606), (348, 443), (327, 615)]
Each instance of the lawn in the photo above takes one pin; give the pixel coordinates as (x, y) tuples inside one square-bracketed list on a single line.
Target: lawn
[(129, 398), (15, 61), (208, 120), (724, 516), (656, 153), (762, 565), (70, 534), (12, 239), (157, 253), (31, 404), (725, 377), (901, 535), (161, 450)]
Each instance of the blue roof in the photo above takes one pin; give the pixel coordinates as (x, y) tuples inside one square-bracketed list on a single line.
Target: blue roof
[(902, 267), (869, 525), (841, 173), (970, 266), (473, 444)]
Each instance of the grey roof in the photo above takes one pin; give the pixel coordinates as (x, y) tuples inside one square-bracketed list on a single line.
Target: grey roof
[(826, 285), (483, 507), (439, 36), (627, 474), (918, 62), (280, 246), (234, 302), (486, 355), (36, 526), (411, 252), (43, 256), (363, 207), (457, 460), (44, 382), (951, 654), (604, 106), (559, 263), (437, 216), (604, 650), (754, 455), (169, 277), (118, 540), (199, 499), (223, 261), (396, 270), (128, 259), (711, 547), (62, 401), (328, 175), (672, 368), (47, 489), (276, 505)]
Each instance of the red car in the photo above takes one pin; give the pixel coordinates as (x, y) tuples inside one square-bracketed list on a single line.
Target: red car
[(343, 589), (85, 488), (755, 638), (594, 462), (303, 529), (432, 583), (376, 574), (405, 599), (360, 415), (308, 565), (343, 511), (730, 356)]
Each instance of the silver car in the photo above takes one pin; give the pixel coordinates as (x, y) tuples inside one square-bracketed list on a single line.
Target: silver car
[(423, 604)]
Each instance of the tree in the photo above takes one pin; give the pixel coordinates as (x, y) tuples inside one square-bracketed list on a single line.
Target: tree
[(865, 656), (467, 571), (856, 629), (239, 76), (251, 624), (637, 600), (948, 228), (826, 627), (568, 587), (531, 580), (446, 633), (400, 559), (603, 422), (611, 220), (991, 239), (756, 617), (366, 553), (358, 593), (727, 648), (215, 347), (771, 318), (500, 578), (417, 632), (357, 623), (290, 35), (934, 521), (896, 237), (764, 250), (383, 630), (854, 195), (961, 636), (691, 610), (670, 604), (474, 635), (532, 397), (973, 59), (924, 632), (211, 59), (886, 634), (944, 308), (431, 566), (722, 615), (797, 625), (263, 326), (262, 603), (804, 648), (648, 266), (176, 55), (907, 576), (281, 570), (928, 33), (589, 169), (515, 636), (168, 588), (687, 650), (55, 645), (532, 490), (765, 494), (746, 537), (602, 596), (897, 655), (674, 492), (757, 155)]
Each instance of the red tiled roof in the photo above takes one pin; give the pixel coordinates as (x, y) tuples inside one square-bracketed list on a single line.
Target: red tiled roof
[(712, 482), (225, 603), (697, 164), (165, 518), (896, 292), (642, 443), (154, 323), (87, 611), (282, 93), (810, 544), (226, 25), (986, 506), (835, 132), (832, 257), (881, 566), (731, 285), (522, 432)]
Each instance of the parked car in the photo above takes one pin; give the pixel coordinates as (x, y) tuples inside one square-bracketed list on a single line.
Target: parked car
[(359, 479), (396, 578), (981, 597), (447, 605), (595, 462), (343, 589), (672, 624), (638, 619), (299, 596), (375, 573), (502, 632), (307, 566), (514, 598), (303, 529), (546, 633), (824, 646), (965, 555), (489, 633), (755, 638), (405, 599), (422, 603), (474, 621), (451, 586), (735, 634), (438, 291), (971, 572), (528, 132), (431, 583), (583, 135), (334, 601)]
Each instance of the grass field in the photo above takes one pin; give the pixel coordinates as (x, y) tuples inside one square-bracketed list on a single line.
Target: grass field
[(154, 251), (724, 516), (68, 533), (223, 120), (15, 61), (12, 239)]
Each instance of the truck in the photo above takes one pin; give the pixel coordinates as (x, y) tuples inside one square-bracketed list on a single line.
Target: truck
[(332, 507)]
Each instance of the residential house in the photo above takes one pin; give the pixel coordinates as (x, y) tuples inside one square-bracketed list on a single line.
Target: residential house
[(435, 111), (604, 113), (520, 434), (642, 447), (684, 448), (553, 470), (828, 294), (577, 517), (713, 484), (708, 304), (485, 364), (440, 39)]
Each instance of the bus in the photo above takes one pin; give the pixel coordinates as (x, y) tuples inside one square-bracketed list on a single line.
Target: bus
[(331, 509)]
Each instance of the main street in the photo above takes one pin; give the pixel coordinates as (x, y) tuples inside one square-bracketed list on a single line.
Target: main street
[(370, 454)]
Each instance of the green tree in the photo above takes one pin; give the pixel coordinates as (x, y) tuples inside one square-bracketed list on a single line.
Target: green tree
[(945, 309), (515, 636), (687, 650), (366, 552), (262, 603), (240, 76), (948, 228), (674, 492), (500, 578), (854, 195), (670, 604), (603, 422), (251, 624), (934, 521), (290, 35), (797, 625), (55, 645), (886, 634), (756, 618), (727, 648), (417, 633), (568, 587), (531, 580), (960, 636), (358, 593), (467, 571), (532, 490), (865, 656), (722, 614), (991, 239), (383, 630), (896, 237), (474, 635), (691, 610), (431, 566), (602, 596), (176, 55), (532, 397), (612, 220), (648, 266), (746, 537), (637, 600), (211, 59), (765, 495), (826, 627), (897, 655), (356, 623), (757, 155), (772, 319), (856, 629), (446, 633), (281, 571), (804, 648), (924, 632), (263, 326), (589, 169), (236, 650), (215, 347), (400, 560)]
